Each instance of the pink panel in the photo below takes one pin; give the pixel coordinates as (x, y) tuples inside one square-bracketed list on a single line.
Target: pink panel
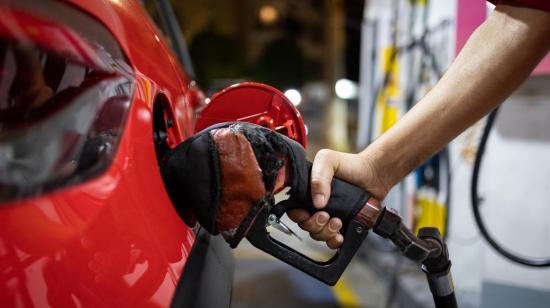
[(470, 14), (544, 66)]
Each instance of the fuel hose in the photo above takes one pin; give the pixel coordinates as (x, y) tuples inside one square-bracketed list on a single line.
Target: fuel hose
[(512, 256)]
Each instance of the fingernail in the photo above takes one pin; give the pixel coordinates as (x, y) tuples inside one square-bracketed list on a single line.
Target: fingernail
[(322, 219), (334, 225), (319, 200)]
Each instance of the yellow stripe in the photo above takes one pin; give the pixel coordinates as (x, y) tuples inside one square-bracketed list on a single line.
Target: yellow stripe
[(390, 117), (344, 294), (430, 213)]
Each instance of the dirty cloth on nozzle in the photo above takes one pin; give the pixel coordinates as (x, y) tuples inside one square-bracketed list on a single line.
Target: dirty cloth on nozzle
[(226, 173)]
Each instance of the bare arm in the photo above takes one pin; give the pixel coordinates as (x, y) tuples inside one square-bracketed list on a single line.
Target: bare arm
[(497, 58)]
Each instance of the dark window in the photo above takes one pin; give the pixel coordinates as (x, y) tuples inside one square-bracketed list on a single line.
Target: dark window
[(164, 17), (152, 8)]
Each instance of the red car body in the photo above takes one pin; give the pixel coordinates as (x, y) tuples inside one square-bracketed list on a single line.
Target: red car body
[(109, 241), (114, 238)]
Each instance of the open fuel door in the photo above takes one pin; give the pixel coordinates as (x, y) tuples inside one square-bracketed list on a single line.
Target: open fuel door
[(254, 103)]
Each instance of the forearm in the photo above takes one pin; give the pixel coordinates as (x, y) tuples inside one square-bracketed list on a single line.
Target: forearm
[(497, 58)]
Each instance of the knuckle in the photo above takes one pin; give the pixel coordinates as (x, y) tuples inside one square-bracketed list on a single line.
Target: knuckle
[(298, 215), (315, 228), (310, 225), (326, 161), (314, 236), (318, 236), (324, 154), (317, 183), (324, 234), (305, 226)]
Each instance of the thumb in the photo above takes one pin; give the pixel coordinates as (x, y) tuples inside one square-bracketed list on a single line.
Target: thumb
[(324, 165)]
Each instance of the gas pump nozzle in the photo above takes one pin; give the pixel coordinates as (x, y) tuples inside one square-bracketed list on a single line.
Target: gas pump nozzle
[(227, 174), (359, 213)]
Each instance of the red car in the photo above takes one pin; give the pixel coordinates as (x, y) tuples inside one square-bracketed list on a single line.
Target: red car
[(91, 97)]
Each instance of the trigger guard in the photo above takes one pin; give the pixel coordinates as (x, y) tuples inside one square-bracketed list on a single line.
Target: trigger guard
[(326, 271)]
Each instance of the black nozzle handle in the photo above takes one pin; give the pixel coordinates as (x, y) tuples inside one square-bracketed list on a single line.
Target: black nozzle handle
[(345, 200), (326, 271)]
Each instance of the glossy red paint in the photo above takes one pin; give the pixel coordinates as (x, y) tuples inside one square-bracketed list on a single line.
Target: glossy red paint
[(155, 64), (115, 240)]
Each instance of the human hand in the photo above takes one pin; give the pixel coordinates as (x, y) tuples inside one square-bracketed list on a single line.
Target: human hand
[(356, 169)]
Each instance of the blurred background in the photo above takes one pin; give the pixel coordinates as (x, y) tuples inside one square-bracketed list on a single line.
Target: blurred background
[(302, 48), (353, 68)]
